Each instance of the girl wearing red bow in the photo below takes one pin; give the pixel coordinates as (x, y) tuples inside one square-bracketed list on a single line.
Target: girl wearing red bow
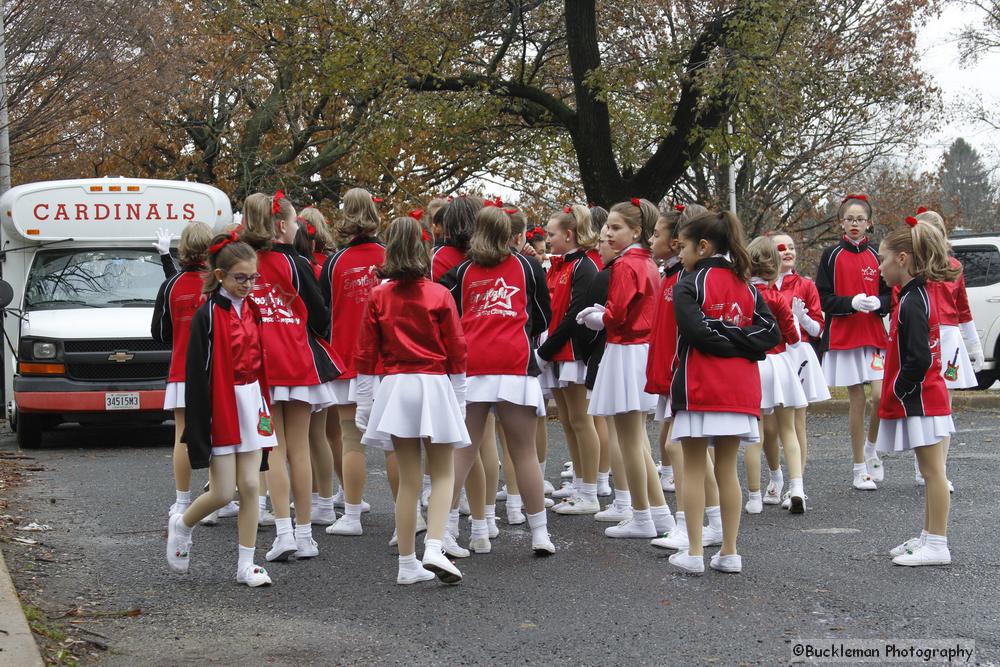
[(228, 415)]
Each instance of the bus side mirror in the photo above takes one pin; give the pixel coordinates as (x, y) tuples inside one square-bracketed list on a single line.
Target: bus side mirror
[(6, 294)]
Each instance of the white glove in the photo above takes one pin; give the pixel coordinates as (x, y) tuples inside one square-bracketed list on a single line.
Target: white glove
[(542, 363), (973, 345), (592, 317), (801, 314), (858, 302), (873, 303), (365, 400), (458, 385), (162, 242)]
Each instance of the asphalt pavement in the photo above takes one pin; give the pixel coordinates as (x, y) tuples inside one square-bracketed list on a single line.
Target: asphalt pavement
[(822, 575)]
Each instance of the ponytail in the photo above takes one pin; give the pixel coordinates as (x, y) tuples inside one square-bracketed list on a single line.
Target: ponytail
[(928, 251), (641, 215), (577, 218), (725, 232), (257, 228)]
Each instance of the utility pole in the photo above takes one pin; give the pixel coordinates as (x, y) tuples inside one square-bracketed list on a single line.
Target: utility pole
[(732, 169), (4, 118)]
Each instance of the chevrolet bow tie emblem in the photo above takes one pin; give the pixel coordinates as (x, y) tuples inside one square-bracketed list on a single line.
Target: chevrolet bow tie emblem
[(121, 356)]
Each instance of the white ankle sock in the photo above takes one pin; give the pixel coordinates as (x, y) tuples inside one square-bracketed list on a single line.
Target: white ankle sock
[(246, 557), (936, 541), (262, 503), (353, 511), (777, 477), (184, 497), (408, 562), (681, 521), (668, 471), (603, 477), (538, 522), (754, 495), (325, 503), (303, 530), (662, 518), (795, 487), (491, 513), (283, 526), (314, 497), (514, 502), (623, 499), (869, 449), (432, 546), (860, 469), (453, 521), (426, 481), (714, 515), (480, 528), (588, 491), (642, 516)]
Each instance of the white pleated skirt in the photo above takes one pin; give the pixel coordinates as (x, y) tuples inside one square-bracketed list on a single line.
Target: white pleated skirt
[(663, 412), (548, 380), (779, 383), (249, 405), (901, 435), (621, 381), (953, 352), (571, 372), (846, 368), (803, 358), (692, 424), (516, 389), (173, 396), (319, 396), (415, 405)]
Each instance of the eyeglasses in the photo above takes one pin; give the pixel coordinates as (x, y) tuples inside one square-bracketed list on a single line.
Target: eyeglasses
[(243, 279), (856, 221)]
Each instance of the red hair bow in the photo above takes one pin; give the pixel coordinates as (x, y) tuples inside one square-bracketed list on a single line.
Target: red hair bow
[(489, 203), (377, 200), (567, 209), (510, 211), (679, 208), (636, 202), (416, 214), (921, 209), (849, 197), (231, 238), (498, 202), (535, 234), (911, 221), (450, 199), (590, 204), (424, 235), (276, 202), (310, 230), (782, 247)]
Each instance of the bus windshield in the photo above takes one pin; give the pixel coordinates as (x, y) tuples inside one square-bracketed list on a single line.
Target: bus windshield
[(93, 278)]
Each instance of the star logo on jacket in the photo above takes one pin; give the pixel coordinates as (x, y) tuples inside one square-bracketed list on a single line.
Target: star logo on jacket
[(496, 297), (734, 315), (869, 274)]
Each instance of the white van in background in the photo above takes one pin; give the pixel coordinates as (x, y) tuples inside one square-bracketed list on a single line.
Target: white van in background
[(980, 258), (84, 276)]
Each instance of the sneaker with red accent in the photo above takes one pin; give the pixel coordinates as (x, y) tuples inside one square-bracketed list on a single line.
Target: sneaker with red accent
[(253, 576), (178, 547)]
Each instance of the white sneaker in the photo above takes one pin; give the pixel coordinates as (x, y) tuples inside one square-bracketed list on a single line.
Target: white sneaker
[(442, 568), (394, 540), (306, 547), (676, 539), (463, 504), (951, 487), (515, 516), (253, 576), (924, 554), (177, 508), (547, 487), (338, 498), (178, 548), (480, 545), (502, 494), (494, 528), (265, 518), (603, 489), (578, 505), (667, 483), (421, 523), (772, 496), (711, 537), (452, 547), (231, 509), (909, 544), (542, 544), (324, 517), (875, 468), (614, 514), (425, 495), (687, 562), (733, 563), (413, 575), (630, 528), (567, 471), (549, 503), (754, 504), (284, 546), (211, 520), (346, 525), (919, 481), (864, 482), (568, 490)]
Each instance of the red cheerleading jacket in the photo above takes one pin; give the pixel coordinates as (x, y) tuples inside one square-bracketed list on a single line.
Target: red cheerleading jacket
[(348, 278), (504, 308), (176, 302), (913, 386), (411, 326), (569, 279), (783, 315), (295, 320), (445, 258), (663, 339), (951, 299), (225, 350), (632, 296), (794, 285), (724, 327), (846, 270), (595, 257)]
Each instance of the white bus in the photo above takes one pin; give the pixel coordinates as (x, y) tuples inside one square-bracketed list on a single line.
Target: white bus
[(77, 255)]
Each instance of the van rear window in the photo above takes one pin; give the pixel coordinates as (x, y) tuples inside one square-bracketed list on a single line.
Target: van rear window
[(97, 278), (981, 264)]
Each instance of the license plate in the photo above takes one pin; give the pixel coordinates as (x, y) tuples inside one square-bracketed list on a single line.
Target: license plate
[(123, 401)]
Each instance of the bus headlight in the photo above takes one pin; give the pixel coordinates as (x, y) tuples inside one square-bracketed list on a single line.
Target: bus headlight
[(43, 350)]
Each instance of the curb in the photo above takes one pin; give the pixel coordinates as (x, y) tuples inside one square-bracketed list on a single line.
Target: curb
[(958, 402), (17, 644)]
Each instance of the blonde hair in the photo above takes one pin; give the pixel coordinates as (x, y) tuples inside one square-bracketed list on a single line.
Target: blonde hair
[(577, 220), (928, 251), (359, 215), (490, 242), (764, 258), (195, 241), (323, 240), (406, 256), (641, 217), (258, 225), (934, 218), (435, 205)]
